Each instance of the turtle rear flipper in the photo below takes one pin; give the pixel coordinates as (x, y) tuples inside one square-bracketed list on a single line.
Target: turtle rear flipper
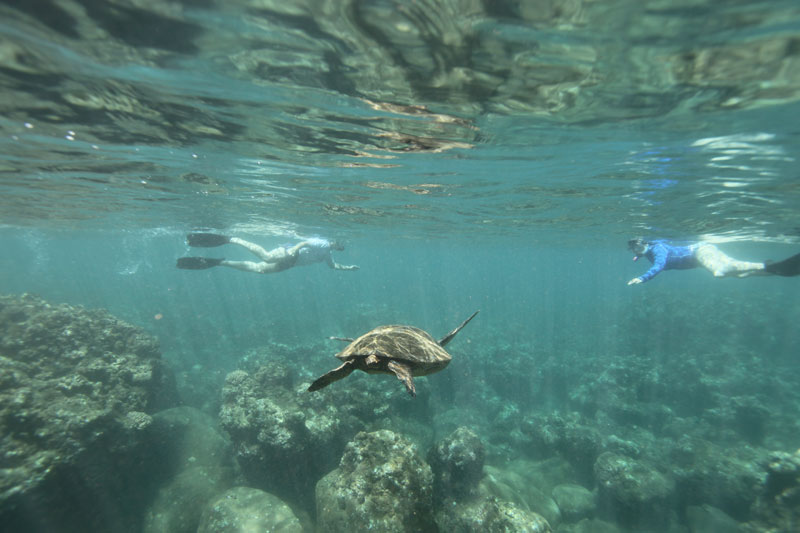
[(403, 373), (340, 372), (447, 338)]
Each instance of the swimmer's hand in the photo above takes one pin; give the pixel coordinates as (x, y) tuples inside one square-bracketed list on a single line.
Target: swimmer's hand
[(635, 281)]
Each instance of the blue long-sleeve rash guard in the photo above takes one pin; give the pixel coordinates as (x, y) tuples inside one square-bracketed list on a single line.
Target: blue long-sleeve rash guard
[(665, 256)]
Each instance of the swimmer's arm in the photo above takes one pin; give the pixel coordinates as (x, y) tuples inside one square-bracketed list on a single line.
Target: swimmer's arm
[(659, 262), (336, 266), (297, 247)]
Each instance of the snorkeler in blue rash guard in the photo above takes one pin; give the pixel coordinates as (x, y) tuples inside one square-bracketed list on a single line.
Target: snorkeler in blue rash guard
[(665, 256)]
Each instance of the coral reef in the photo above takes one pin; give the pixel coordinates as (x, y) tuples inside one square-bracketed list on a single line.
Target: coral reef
[(614, 443), (381, 484), (77, 390), (246, 510)]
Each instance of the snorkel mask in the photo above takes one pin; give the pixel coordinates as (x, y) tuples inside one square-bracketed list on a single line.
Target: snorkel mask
[(639, 247)]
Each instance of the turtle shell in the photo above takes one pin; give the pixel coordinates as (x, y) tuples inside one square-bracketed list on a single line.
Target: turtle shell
[(402, 343)]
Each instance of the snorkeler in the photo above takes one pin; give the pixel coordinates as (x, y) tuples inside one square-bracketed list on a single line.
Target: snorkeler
[(277, 260), (665, 256)]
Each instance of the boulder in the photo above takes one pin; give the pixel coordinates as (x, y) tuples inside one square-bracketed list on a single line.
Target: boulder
[(457, 464), (705, 519), (199, 463), (574, 502), (381, 484), (631, 491), (777, 506), (248, 510), (489, 514), (179, 504), (284, 440)]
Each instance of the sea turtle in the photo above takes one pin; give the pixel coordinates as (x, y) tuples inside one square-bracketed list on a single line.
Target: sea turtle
[(404, 351)]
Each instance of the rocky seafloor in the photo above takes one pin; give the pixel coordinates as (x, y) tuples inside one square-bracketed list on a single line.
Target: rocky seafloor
[(98, 435)]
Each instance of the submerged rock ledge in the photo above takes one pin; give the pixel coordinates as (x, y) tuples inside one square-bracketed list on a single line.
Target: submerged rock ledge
[(77, 388)]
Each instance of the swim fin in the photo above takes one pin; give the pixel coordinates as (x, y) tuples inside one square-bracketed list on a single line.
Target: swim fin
[(198, 263), (206, 240), (787, 267)]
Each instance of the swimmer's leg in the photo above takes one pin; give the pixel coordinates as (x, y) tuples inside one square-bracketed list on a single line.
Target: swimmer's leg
[(251, 266), (262, 254), (275, 260), (722, 265)]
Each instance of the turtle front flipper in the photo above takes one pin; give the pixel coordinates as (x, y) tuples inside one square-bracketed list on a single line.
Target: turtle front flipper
[(340, 372), (403, 373)]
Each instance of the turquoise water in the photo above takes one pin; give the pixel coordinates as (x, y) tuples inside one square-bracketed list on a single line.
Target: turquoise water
[(471, 155)]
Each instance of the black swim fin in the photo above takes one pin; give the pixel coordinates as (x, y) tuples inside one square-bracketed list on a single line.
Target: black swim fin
[(787, 267), (206, 240), (198, 263)]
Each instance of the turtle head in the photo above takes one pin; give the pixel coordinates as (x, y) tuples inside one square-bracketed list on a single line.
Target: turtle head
[(337, 245)]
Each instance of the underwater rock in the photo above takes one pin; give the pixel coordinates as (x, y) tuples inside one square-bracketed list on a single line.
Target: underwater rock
[(621, 446), (574, 501), (77, 390), (457, 464), (587, 525), (199, 386), (381, 484), (187, 437), (703, 519), (724, 477), (283, 442), (248, 510), (524, 484), (631, 491), (451, 416), (489, 514), (286, 439), (777, 506), (578, 443), (196, 462), (179, 504)]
